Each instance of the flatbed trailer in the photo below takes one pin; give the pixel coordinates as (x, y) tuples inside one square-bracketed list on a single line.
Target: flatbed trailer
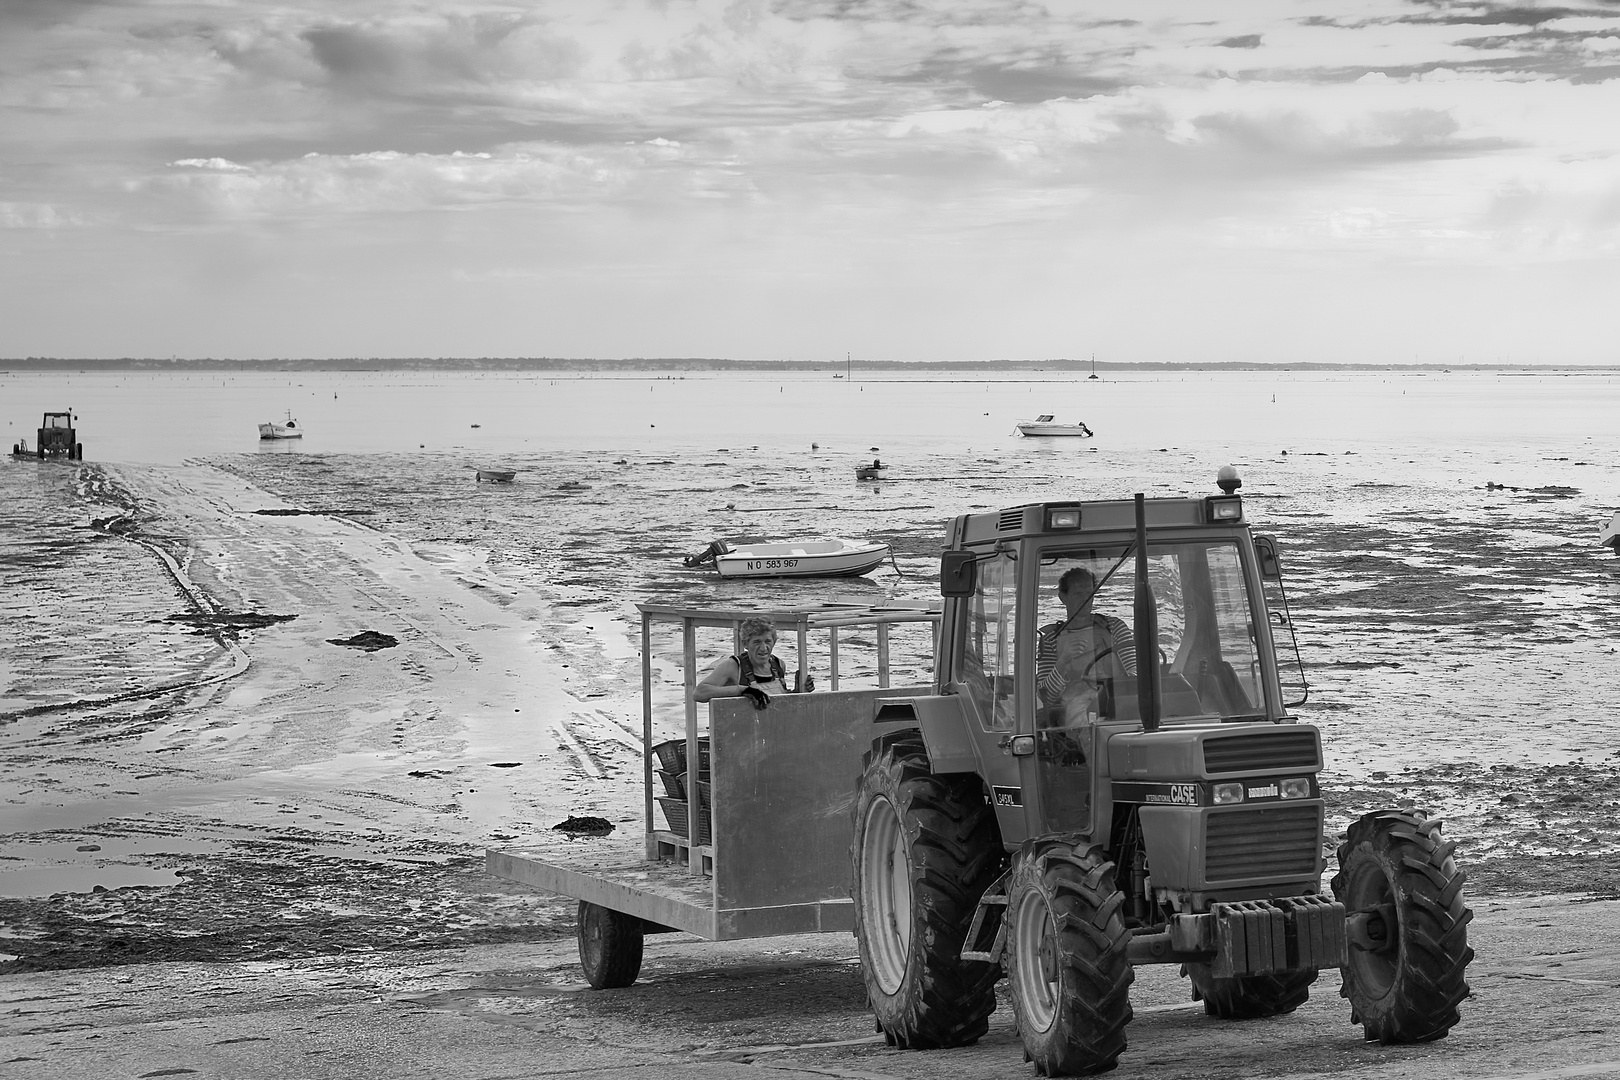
[(769, 853)]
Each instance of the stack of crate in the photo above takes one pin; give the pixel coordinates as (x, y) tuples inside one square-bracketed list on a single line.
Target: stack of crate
[(672, 773)]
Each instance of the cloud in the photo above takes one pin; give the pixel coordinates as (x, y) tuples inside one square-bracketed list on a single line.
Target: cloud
[(44, 216)]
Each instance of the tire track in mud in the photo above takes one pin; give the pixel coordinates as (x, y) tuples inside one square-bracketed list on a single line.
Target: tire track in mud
[(96, 486)]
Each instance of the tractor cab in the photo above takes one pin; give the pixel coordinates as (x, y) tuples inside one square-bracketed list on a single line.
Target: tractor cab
[(1064, 631)]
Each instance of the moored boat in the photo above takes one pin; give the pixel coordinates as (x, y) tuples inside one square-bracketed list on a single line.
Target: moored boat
[(289, 430), (875, 471), (1048, 425), (495, 476), (1609, 537), (795, 559)]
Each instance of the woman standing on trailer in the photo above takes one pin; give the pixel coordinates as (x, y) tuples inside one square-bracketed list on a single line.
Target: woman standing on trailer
[(755, 673)]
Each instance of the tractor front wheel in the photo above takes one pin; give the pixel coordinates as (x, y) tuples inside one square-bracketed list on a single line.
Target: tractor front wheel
[(1408, 927), (925, 848), (1067, 966), (609, 946), (1249, 997)]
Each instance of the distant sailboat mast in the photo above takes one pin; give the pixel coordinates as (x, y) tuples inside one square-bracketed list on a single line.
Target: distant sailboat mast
[(1093, 374)]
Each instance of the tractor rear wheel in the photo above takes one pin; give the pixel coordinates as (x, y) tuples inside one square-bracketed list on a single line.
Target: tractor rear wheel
[(609, 946), (1398, 881), (925, 848), (1067, 966), (1249, 997)]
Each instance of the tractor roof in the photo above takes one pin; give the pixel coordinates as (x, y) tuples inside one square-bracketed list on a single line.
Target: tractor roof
[(1111, 515)]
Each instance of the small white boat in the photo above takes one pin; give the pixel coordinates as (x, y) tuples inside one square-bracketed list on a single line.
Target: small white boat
[(495, 476), (875, 471), (1610, 536), (289, 430), (1046, 424), (814, 558)]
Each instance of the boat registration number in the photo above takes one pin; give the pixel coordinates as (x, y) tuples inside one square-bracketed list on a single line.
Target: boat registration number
[(772, 564)]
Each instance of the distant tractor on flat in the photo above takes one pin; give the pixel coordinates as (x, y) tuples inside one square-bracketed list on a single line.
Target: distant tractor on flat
[(58, 436)]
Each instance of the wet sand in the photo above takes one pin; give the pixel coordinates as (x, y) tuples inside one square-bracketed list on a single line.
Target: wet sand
[(304, 794)]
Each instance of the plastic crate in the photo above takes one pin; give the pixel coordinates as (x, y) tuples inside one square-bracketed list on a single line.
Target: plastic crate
[(672, 755), (675, 814), (674, 783)]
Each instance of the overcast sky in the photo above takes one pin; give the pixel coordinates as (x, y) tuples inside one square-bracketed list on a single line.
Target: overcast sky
[(1365, 180)]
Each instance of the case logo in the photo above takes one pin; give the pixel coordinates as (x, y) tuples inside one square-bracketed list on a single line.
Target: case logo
[(1008, 796)]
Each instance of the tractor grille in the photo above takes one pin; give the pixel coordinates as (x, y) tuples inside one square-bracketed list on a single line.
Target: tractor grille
[(1283, 749), (1269, 842)]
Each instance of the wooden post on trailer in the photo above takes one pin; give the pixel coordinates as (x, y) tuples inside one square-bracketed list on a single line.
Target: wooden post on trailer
[(646, 735), (804, 643), (883, 654), (832, 657), (693, 761)]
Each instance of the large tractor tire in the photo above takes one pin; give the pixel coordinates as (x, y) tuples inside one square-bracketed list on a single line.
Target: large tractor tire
[(925, 848), (1248, 997), (1067, 966), (1405, 978), (609, 946)]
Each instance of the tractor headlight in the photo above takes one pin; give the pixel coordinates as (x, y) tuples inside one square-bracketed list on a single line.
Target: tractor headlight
[(1296, 788), (1228, 793), (1062, 517), (1223, 508)]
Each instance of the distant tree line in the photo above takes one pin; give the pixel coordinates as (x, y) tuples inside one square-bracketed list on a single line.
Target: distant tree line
[(690, 363)]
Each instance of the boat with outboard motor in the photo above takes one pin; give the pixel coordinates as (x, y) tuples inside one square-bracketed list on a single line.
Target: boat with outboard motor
[(792, 559), (1046, 424)]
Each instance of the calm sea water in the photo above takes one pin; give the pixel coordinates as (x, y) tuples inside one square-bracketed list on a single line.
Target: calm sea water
[(164, 418), (1442, 617)]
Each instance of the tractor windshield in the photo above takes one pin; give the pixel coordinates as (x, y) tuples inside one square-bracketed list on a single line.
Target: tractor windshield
[(1087, 655)]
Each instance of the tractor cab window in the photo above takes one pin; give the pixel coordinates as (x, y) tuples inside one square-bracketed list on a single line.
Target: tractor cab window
[(987, 660), (56, 420), (1087, 655)]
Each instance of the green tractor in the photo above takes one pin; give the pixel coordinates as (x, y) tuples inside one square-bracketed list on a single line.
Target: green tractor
[(1107, 774)]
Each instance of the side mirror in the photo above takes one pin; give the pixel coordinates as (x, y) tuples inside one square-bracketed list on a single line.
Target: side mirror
[(1265, 550), (956, 573)]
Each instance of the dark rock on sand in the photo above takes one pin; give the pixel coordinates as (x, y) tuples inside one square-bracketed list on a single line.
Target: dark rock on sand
[(369, 640)]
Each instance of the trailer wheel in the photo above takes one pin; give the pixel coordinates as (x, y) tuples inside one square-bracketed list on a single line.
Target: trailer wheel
[(609, 946), (1249, 997), (1398, 880), (1067, 966), (925, 848)]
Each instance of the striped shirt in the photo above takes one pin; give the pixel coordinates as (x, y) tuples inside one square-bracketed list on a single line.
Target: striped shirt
[(1111, 649)]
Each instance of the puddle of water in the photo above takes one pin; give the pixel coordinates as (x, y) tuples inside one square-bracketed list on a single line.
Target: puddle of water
[(39, 881)]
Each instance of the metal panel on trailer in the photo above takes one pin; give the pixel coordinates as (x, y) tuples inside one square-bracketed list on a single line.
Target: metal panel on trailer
[(783, 780), (660, 893)]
